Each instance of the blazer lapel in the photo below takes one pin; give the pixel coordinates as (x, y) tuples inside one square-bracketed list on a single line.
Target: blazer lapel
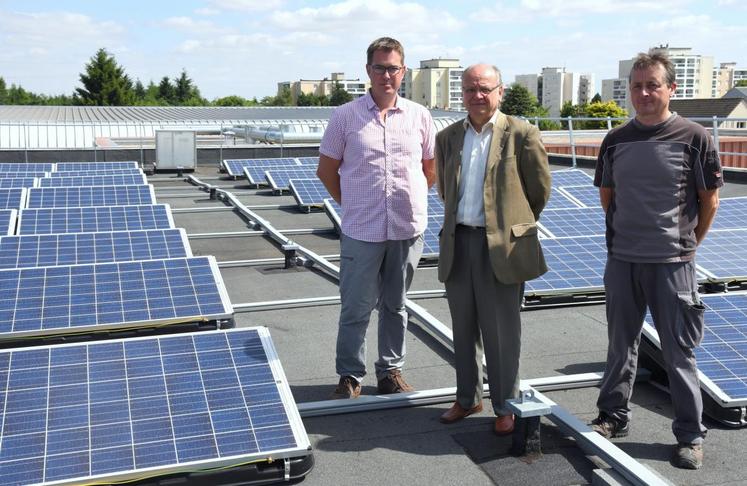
[(500, 135), (457, 142)]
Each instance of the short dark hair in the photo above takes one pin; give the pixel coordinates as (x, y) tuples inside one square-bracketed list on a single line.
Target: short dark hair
[(645, 61), (385, 44)]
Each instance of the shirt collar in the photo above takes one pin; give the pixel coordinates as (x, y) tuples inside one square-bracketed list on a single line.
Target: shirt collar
[(488, 125), (371, 104)]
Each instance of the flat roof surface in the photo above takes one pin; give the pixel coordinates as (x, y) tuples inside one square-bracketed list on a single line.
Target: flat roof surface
[(409, 445)]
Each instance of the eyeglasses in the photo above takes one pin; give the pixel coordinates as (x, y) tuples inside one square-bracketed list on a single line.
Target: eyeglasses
[(482, 90), (379, 69)]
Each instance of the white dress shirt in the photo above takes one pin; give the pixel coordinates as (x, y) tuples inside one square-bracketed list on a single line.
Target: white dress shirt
[(471, 208)]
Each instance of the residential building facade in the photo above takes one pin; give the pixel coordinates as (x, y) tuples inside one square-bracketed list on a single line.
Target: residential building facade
[(324, 87), (555, 86), (436, 84)]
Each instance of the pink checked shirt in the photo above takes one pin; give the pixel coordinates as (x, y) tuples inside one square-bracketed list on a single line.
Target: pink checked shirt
[(384, 190)]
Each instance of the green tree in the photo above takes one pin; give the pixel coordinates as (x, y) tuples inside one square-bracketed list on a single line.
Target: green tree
[(3, 92), (139, 91), (232, 100), (603, 110), (283, 98), (541, 112), (597, 98), (339, 95), (740, 83), (166, 93), (311, 100), (574, 111), (518, 101), (104, 83), (185, 91)]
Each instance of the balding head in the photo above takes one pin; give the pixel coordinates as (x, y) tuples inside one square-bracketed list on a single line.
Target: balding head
[(482, 92)]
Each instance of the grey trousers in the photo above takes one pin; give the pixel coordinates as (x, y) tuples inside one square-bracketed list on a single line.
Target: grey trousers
[(374, 275), (671, 292), (484, 314)]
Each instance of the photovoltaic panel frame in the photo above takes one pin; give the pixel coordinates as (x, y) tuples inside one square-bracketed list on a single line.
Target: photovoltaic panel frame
[(334, 212), (722, 354), (560, 200), (123, 410), (431, 245), (88, 298), (23, 251), (8, 219), (722, 256), (587, 196), (279, 178), (575, 266), (94, 219), (308, 193), (76, 196), (731, 214), (98, 180), (235, 167), (94, 172), (308, 160), (557, 223), (13, 198), (26, 167), (85, 166)]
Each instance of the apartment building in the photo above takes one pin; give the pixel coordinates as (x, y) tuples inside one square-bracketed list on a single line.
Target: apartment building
[(555, 86), (319, 87), (437, 84)]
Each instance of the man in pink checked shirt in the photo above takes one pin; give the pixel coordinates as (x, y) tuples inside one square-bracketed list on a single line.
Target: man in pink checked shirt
[(376, 161)]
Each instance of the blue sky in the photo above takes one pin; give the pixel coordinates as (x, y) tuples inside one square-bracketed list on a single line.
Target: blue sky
[(245, 47)]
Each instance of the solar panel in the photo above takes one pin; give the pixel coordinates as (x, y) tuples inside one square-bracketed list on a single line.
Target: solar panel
[(101, 180), (572, 222), (57, 197), (94, 172), (430, 236), (235, 167), (8, 182), (93, 219), (308, 192), (123, 410), (334, 212), (77, 248), (308, 160), (8, 221), (722, 256), (279, 178), (26, 167), (435, 204), (731, 214), (559, 200), (574, 265), (83, 298), (586, 195), (571, 177), (83, 166), (722, 355), (13, 198), (13, 175)]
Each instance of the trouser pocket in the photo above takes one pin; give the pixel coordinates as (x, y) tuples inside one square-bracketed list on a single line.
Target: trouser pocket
[(689, 331)]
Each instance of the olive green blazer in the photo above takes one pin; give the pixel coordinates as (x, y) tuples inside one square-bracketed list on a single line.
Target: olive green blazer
[(516, 189)]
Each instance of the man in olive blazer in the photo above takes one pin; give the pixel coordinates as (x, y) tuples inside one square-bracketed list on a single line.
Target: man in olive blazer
[(494, 177)]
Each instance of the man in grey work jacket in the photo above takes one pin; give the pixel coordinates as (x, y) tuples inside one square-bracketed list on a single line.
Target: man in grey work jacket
[(658, 178)]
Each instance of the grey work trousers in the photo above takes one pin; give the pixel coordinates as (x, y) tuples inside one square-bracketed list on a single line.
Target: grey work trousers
[(484, 314), (374, 275), (671, 292)]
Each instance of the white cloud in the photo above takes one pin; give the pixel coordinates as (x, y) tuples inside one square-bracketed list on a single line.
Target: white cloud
[(246, 5), (529, 11), (193, 26), (207, 11)]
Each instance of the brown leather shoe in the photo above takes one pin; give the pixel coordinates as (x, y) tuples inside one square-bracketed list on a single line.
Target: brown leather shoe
[(504, 425), (457, 413)]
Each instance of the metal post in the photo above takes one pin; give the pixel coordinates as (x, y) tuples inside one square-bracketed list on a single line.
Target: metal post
[(609, 123), (573, 143), (715, 135), (220, 149), (25, 143)]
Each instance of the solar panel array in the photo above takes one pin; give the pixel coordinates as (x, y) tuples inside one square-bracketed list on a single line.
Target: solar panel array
[(14, 198), (560, 200), (87, 166), (114, 411), (98, 172), (235, 167), (98, 180), (13, 175), (572, 222), (9, 182), (722, 256), (8, 219), (731, 214), (78, 196), (78, 248), (279, 178), (93, 219), (575, 264), (308, 192), (26, 167), (586, 195)]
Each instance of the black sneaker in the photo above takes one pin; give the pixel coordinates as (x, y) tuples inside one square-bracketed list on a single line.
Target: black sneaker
[(347, 388), (609, 427), (393, 382), (688, 456)]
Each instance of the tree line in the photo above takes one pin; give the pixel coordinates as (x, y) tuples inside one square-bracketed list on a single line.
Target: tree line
[(105, 83)]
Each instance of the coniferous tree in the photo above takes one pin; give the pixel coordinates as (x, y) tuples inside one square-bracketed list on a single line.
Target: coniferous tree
[(104, 83)]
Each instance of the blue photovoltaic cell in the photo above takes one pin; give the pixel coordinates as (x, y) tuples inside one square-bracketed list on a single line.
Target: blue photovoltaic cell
[(79, 248), (58, 300), (435, 204), (59, 197), (570, 177), (558, 200), (309, 160), (575, 264), (83, 166), (93, 219), (722, 256), (430, 236), (95, 172), (13, 175), (731, 214), (102, 180), (7, 221), (573, 222), (94, 413), (8, 182), (586, 195), (279, 178), (334, 212), (235, 167), (308, 192), (25, 167), (12, 198), (722, 355)]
